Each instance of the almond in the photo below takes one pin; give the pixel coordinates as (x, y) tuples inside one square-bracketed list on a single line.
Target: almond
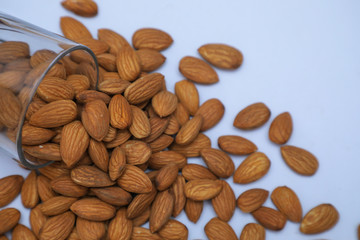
[(140, 126), (319, 219), (252, 168), (142, 219), (253, 231), (218, 162), (93, 209), (188, 96), (47, 151), (44, 188), (197, 70), (202, 189), (113, 195), (21, 232), (281, 128), (193, 149), (134, 180), (12, 80), (137, 152), (66, 186), (113, 86), (58, 227), (195, 171), (107, 61), (121, 137), (20, 64), (95, 118), (140, 203), (9, 217), (91, 95), (253, 116), (193, 209), (73, 29), (161, 143), (12, 50), (221, 55), (270, 218), (150, 59), (224, 203), (97, 46), (236, 145), (52, 171), (161, 159), (173, 127), (161, 210), (212, 112), (35, 136), (144, 88), (120, 112), (174, 230), (91, 230), (29, 191), (74, 143), (10, 187), (110, 135), (151, 38), (300, 160), (41, 56), (99, 154), (217, 229), (128, 64), (120, 228), (37, 220), (10, 108), (90, 176), (182, 115), (57, 205), (69, 65), (113, 39), (117, 163), (140, 233), (54, 114), (158, 126), (53, 88), (164, 103), (74, 235), (179, 195), (252, 199), (166, 176), (84, 8), (287, 202), (189, 131)]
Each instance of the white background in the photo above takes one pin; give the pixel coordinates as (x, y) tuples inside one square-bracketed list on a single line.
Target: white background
[(299, 56)]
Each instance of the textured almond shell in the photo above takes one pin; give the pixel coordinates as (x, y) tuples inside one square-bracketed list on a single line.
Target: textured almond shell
[(319, 219)]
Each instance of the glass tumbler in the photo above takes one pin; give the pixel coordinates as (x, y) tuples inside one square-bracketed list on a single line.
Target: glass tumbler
[(39, 71)]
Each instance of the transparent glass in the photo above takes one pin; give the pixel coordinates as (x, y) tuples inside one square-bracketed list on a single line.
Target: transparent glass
[(28, 55)]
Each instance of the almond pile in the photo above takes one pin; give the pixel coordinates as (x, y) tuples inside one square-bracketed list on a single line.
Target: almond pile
[(120, 152)]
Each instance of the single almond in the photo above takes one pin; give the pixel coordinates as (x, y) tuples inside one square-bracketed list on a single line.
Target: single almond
[(221, 55), (253, 231), (319, 219), (150, 59), (84, 8), (120, 227), (128, 64), (78, 82), (12, 80), (140, 233), (74, 142), (236, 145), (164, 103), (64, 185), (195, 171), (97, 46), (253, 116), (166, 176), (174, 230), (188, 96), (137, 152), (212, 112), (113, 39), (107, 61), (10, 108), (44, 188), (113, 86), (58, 227), (42, 55), (134, 180), (158, 126), (151, 38), (252, 199), (93, 209), (286, 200), (73, 29), (29, 191), (161, 143), (91, 95), (198, 70), (99, 154), (52, 171), (224, 203), (182, 115), (202, 189), (35, 105), (189, 131), (270, 218), (218, 229), (113, 195), (37, 220), (21, 232), (252, 168), (140, 126), (52, 89), (110, 135), (179, 195), (140, 203), (300, 160), (35, 136), (121, 137), (218, 162), (161, 210), (193, 149), (57, 205), (91, 230), (47, 151), (173, 127), (193, 209), (90, 176), (9, 218), (161, 159), (10, 187), (12, 50), (117, 163), (120, 112), (281, 128)]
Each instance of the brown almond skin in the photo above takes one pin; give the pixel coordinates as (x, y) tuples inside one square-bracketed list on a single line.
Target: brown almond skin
[(21, 232), (193, 209), (158, 126), (35, 136), (254, 167), (286, 200), (281, 128), (253, 116), (221, 55), (189, 131), (10, 108), (140, 233), (150, 59), (113, 39), (91, 95), (44, 188), (9, 217), (57, 205), (253, 231), (120, 228), (195, 171), (90, 176), (161, 143), (67, 187), (91, 230), (12, 50), (78, 82), (151, 38), (236, 145), (53, 171), (120, 112), (252, 199), (212, 112), (193, 149), (161, 159), (300, 160), (29, 191), (128, 64), (164, 103), (10, 187), (224, 203), (99, 154), (73, 29), (113, 195), (93, 209), (174, 230), (113, 86), (47, 151), (82, 8), (218, 162), (188, 96), (142, 218), (161, 210), (140, 126), (37, 220), (140, 203), (53, 89), (198, 70), (217, 229), (58, 227), (179, 195), (41, 56), (319, 219), (270, 218), (166, 176), (134, 180), (117, 163), (182, 115), (202, 189)]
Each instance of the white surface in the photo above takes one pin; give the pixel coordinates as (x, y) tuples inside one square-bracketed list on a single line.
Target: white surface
[(299, 56)]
